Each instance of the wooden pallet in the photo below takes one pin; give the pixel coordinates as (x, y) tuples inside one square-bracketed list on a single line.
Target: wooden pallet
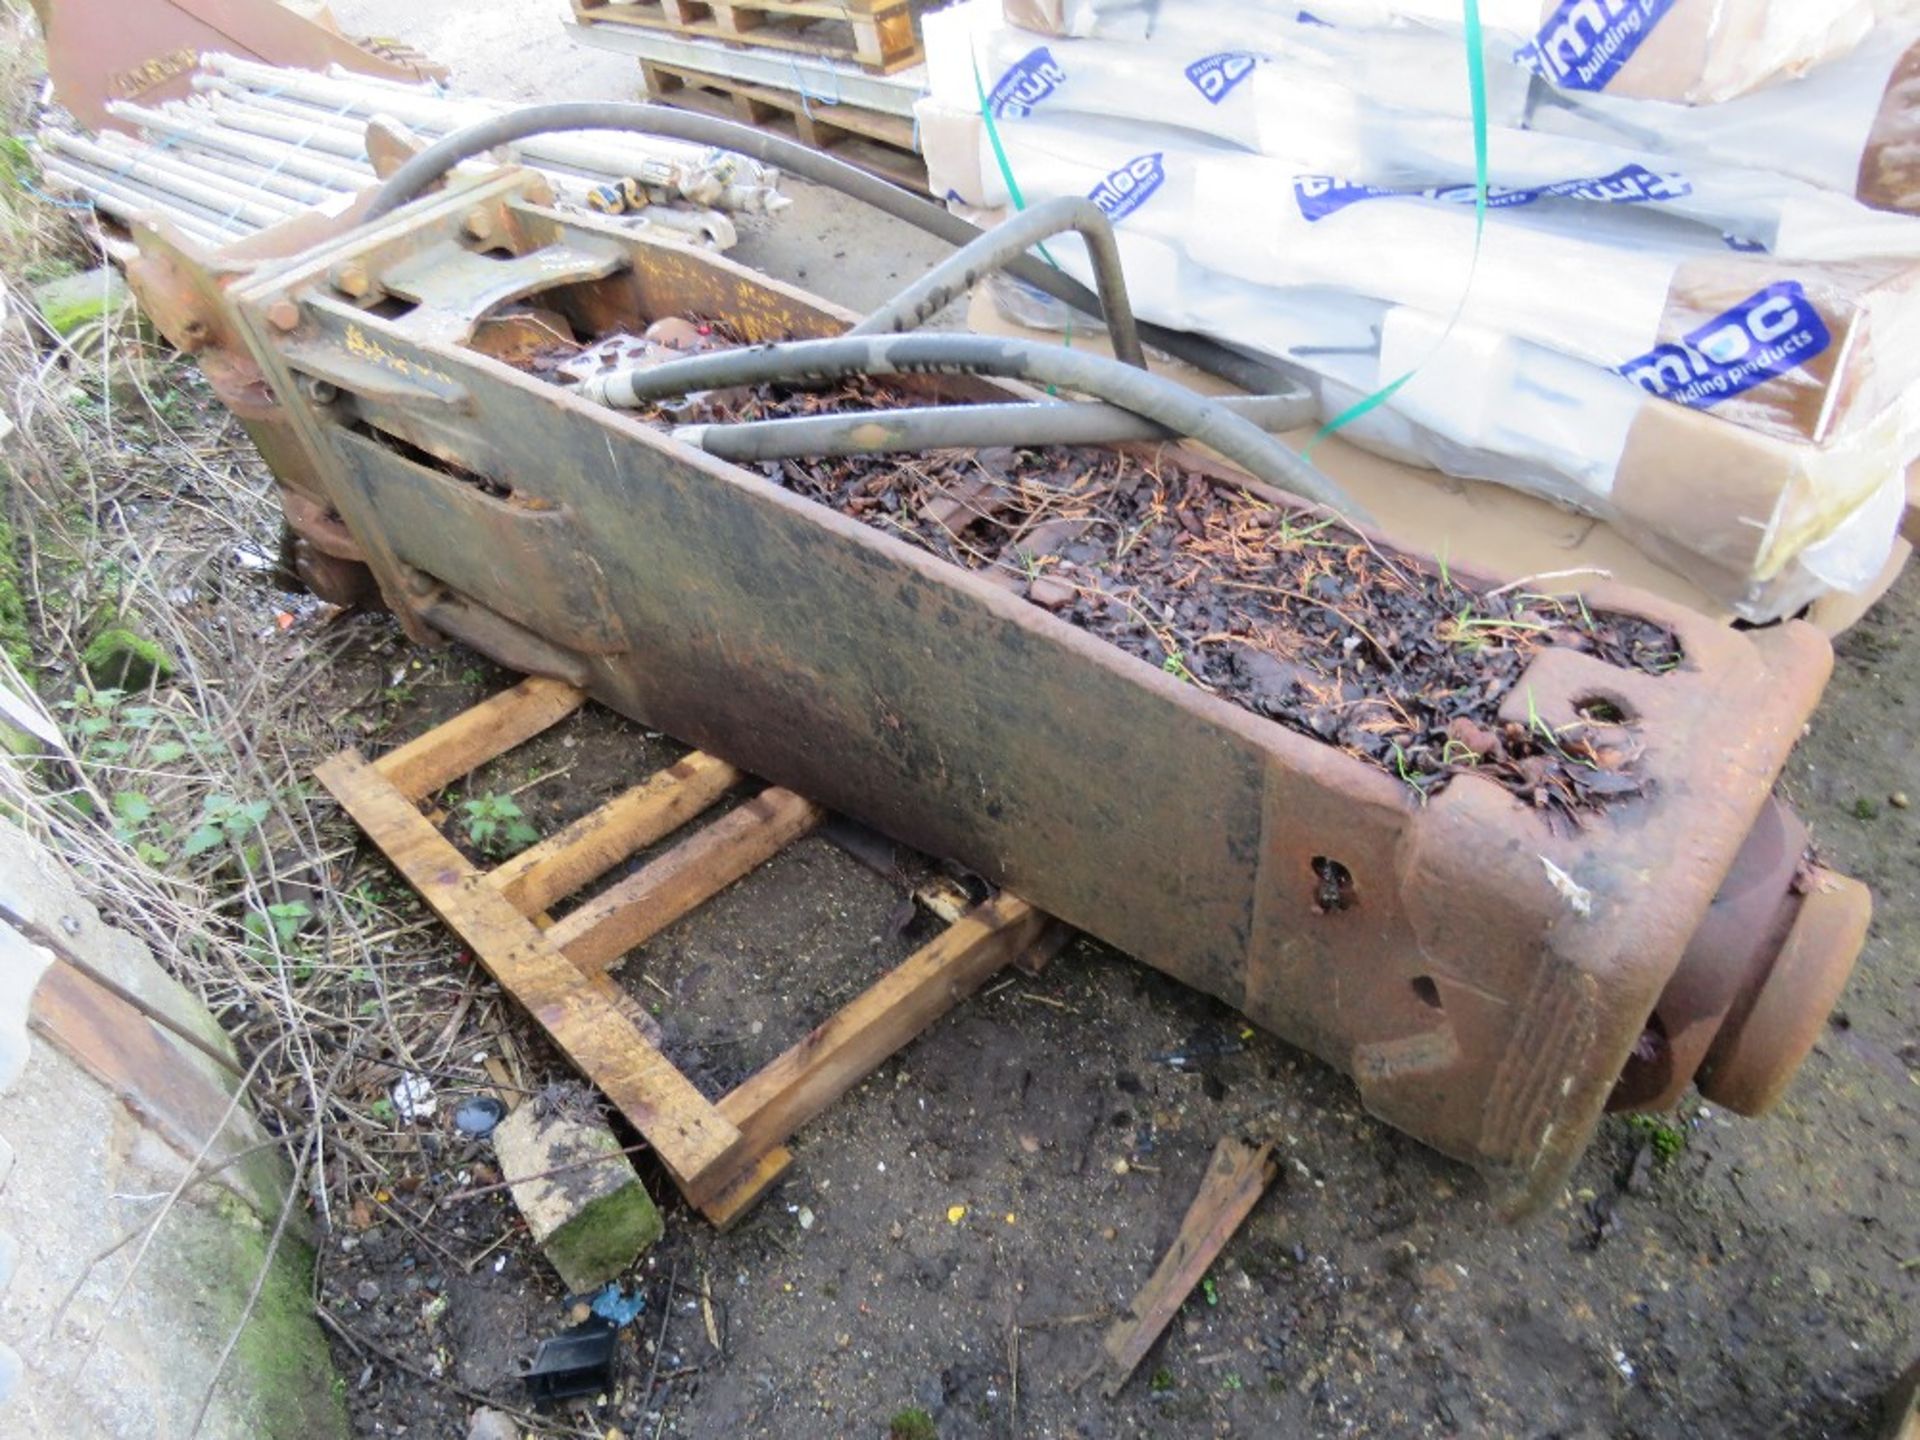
[(875, 34), (881, 143), (722, 1154)]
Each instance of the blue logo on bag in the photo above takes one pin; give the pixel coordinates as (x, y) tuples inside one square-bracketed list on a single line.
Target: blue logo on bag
[(1741, 243), (1767, 334), (1307, 17), (1216, 75), (1027, 84), (1319, 196), (1129, 187), (1584, 43), (1629, 185)]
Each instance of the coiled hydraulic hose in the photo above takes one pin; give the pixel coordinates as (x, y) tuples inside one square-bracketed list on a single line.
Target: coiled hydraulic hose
[(973, 427), (1162, 401), (995, 248), (463, 144)]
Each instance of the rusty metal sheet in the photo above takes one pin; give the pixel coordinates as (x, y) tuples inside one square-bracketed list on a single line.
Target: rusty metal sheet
[(145, 50)]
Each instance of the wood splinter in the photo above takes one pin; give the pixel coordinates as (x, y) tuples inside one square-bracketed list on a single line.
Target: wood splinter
[(1237, 1176)]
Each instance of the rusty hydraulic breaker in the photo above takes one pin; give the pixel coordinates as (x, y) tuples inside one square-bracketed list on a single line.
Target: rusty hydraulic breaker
[(1492, 978)]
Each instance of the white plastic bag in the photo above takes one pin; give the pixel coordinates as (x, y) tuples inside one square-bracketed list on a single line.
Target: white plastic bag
[(1732, 508), (1802, 351), (1851, 126), (1390, 114), (1689, 51)]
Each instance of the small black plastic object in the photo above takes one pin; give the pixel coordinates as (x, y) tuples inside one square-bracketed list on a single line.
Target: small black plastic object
[(575, 1362), (478, 1116)]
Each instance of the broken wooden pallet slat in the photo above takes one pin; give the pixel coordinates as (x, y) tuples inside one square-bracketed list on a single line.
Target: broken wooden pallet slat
[(473, 737), (721, 1164), (735, 1198), (1237, 1176), (843, 1050), (592, 845), (691, 1137), (604, 928)]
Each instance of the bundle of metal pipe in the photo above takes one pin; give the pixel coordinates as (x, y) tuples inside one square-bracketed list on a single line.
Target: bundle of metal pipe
[(258, 144)]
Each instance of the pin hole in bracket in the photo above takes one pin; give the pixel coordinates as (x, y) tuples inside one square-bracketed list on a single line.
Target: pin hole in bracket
[(1333, 886)]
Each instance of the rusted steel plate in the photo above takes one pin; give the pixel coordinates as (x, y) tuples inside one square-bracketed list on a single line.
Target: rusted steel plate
[(145, 50), (1492, 976)]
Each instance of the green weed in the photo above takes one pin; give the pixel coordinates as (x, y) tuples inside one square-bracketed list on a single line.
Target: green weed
[(495, 824), (912, 1424), (1666, 1138)]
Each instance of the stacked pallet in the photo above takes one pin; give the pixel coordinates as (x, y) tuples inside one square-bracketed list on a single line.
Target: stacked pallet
[(839, 74), (875, 34)]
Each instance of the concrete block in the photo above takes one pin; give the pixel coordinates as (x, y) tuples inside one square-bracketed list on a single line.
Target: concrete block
[(21, 965), (591, 1219), (85, 1158), (71, 301), (119, 658), (40, 896)]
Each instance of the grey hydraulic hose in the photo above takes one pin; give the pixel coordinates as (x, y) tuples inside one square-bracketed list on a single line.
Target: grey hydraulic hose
[(1007, 241), (463, 144), (973, 427), (1165, 402)]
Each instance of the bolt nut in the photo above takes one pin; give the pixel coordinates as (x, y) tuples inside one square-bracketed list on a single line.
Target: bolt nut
[(478, 223), (283, 315), (320, 392), (352, 279)]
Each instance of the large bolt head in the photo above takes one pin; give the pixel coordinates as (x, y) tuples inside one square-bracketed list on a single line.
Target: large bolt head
[(352, 279)]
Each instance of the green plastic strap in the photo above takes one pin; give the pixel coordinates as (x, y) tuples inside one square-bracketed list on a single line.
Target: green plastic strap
[(1477, 91), (1013, 185)]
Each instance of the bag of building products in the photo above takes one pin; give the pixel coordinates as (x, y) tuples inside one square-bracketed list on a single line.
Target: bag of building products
[(1801, 350), (1250, 89), (1851, 126), (1690, 51), (1383, 111), (1762, 523)]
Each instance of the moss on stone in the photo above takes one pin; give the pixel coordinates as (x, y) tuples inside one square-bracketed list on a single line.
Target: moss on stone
[(281, 1372), (120, 659), (69, 302), (605, 1237), (13, 602)]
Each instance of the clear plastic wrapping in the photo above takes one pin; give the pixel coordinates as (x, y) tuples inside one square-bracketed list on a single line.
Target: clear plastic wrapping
[(1689, 51)]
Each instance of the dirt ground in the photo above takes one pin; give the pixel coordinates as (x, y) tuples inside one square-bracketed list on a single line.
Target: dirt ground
[(953, 1235), (1760, 1282)]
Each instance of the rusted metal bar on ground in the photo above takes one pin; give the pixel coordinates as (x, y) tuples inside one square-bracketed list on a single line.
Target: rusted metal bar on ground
[(1237, 1176), (1491, 979)]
